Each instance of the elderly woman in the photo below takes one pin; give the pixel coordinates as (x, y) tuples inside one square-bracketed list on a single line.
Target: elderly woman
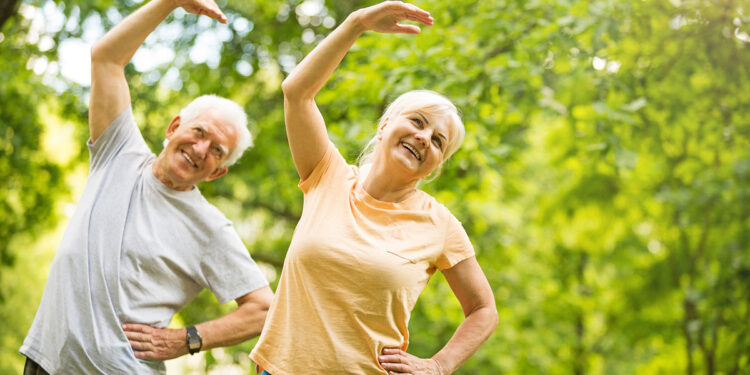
[(369, 240)]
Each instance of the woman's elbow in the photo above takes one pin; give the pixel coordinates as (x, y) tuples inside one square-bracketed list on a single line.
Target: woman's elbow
[(96, 52), (491, 319), (295, 91), (494, 319)]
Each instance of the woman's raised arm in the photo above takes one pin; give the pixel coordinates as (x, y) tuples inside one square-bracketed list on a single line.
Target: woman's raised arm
[(305, 127)]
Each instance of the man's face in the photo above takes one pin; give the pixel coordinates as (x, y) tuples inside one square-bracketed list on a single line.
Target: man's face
[(197, 148)]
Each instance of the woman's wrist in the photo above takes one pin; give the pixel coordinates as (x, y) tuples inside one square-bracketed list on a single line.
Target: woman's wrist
[(354, 21), (440, 367)]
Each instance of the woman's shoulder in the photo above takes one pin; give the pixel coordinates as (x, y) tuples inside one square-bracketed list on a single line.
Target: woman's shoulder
[(427, 202)]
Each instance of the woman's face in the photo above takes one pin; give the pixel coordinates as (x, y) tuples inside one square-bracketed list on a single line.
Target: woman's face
[(413, 141)]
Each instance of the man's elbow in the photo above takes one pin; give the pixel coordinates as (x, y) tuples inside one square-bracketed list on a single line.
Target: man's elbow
[(258, 302)]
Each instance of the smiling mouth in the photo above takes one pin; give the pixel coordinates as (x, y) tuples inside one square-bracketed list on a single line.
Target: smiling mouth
[(189, 159), (412, 150)]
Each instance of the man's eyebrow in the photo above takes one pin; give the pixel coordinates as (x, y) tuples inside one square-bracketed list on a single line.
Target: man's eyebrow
[(224, 149)]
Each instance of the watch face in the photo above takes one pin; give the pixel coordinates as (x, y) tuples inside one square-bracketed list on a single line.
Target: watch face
[(194, 341)]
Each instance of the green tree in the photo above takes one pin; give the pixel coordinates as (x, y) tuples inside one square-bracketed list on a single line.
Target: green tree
[(604, 179)]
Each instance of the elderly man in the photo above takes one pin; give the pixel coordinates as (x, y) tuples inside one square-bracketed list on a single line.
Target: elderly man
[(143, 241)]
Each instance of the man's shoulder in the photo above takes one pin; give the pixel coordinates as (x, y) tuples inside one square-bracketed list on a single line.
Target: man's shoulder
[(207, 213)]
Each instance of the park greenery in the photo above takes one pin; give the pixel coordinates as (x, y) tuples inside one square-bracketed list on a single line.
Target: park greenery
[(604, 179)]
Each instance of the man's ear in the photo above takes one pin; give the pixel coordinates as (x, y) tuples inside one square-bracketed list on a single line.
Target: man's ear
[(173, 126), (218, 172)]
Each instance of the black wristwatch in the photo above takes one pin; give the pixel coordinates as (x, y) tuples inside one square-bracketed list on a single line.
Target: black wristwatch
[(194, 340)]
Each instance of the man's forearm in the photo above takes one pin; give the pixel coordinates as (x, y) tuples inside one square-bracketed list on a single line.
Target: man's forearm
[(245, 322), (240, 325), (119, 44)]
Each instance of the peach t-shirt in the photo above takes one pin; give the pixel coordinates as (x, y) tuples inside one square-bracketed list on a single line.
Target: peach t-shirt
[(353, 273)]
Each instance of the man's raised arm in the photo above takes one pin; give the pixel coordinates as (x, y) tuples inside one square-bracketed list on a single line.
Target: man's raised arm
[(109, 55)]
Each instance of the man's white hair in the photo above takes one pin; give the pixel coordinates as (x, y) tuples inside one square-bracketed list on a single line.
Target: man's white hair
[(231, 111)]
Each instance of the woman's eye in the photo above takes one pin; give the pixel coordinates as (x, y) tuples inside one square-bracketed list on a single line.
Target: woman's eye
[(199, 130), (438, 142), (417, 122)]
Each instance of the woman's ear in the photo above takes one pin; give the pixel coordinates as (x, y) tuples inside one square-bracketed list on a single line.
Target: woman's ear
[(381, 127)]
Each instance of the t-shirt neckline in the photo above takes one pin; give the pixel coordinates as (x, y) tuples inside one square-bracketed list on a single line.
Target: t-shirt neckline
[(362, 195), (158, 185)]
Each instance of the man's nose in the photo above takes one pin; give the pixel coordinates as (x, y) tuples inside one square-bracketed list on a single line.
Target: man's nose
[(201, 147)]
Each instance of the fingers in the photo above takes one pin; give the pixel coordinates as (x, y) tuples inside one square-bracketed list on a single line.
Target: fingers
[(394, 361), (206, 8), (396, 351), (135, 327), (414, 13), (139, 337), (407, 29), (216, 14), (147, 355), (140, 345)]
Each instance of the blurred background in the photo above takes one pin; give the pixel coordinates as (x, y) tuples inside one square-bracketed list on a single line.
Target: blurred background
[(604, 179)]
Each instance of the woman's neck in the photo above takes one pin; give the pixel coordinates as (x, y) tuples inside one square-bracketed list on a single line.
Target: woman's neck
[(385, 185)]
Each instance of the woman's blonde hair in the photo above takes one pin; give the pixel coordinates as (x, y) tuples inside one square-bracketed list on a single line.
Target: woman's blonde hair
[(435, 106)]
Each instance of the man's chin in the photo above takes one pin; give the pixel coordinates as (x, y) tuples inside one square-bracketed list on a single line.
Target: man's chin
[(182, 177)]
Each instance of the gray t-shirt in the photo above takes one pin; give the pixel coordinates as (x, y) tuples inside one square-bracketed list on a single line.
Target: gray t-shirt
[(134, 251)]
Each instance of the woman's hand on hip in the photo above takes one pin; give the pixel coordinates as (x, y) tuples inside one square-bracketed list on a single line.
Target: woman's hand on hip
[(397, 362), (385, 17)]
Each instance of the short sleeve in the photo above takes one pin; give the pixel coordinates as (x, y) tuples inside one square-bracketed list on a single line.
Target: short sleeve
[(457, 245), (331, 168), (122, 135), (227, 267)]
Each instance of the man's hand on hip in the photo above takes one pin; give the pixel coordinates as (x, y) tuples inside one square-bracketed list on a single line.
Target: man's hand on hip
[(157, 344)]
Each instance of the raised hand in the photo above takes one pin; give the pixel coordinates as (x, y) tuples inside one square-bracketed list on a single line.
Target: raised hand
[(385, 17), (203, 8), (397, 361), (155, 344)]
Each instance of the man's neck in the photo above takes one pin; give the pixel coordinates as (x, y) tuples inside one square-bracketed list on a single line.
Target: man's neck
[(159, 171)]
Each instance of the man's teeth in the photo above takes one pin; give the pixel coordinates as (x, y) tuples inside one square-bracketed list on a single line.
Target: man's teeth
[(413, 151), (189, 159)]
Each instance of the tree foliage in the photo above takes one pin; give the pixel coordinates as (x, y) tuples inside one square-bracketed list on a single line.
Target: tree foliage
[(604, 179)]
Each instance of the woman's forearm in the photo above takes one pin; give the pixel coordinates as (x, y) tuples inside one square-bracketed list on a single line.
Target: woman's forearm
[(469, 336), (316, 68)]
